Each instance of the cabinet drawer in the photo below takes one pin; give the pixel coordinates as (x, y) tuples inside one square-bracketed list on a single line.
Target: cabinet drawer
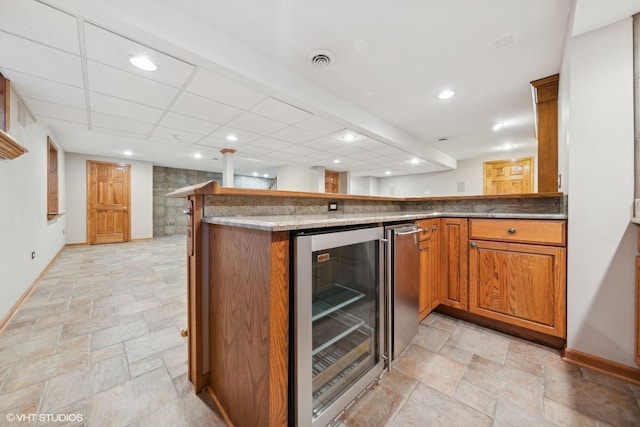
[(428, 227), (548, 232)]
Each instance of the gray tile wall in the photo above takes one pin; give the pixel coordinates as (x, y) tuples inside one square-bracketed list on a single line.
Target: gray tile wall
[(168, 218)]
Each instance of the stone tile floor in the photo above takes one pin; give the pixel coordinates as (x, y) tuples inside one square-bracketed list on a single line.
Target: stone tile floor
[(99, 337)]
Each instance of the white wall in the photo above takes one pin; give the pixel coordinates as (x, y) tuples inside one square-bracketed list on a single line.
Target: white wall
[(297, 178), (24, 227), (602, 242), (469, 173), (141, 197)]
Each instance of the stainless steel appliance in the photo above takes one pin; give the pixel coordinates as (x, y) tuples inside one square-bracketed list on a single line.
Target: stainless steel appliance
[(339, 320), (402, 284)]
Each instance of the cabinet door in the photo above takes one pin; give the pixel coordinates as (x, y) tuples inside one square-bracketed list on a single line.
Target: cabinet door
[(426, 266), (454, 256), (429, 266), (523, 285)]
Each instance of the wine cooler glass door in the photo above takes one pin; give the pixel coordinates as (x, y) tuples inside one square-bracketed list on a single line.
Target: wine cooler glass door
[(338, 297)]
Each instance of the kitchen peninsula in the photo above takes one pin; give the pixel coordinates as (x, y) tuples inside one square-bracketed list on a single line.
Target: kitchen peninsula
[(240, 264)]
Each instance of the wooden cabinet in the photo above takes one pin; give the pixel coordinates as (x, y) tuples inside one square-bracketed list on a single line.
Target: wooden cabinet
[(638, 305), (429, 266), (517, 283), (454, 257)]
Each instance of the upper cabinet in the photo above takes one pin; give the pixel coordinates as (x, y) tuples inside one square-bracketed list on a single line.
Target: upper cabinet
[(9, 147), (545, 96)]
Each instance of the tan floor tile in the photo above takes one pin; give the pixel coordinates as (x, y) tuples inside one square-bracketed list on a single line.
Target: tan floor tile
[(444, 323), (431, 338), (605, 380), (454, 353), (485, 343), (375, 408), (399, 382), (562, 416), (475, 397), (143, 366), (152, 343), (428, 407), (188, 411), (531, 358), (131, 400), (431, 368), (592, 399), (119, 333), (506, 383), (27, 350), (21, 397), (509, 415), (107, 352)]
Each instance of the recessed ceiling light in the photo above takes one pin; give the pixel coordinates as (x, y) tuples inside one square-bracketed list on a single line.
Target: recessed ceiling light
[(197, 156), (128, 153), (347, 135), (266, 175), (498, 126), (387, 173), (255, 174), (415, 161), (445, 94), (336, 161), (507, 147), (143, 63), (231, 137)]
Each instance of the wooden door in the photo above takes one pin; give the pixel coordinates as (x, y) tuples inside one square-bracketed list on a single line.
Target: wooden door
[(454, 257), (108, 201), (508, 176), (331, 182), (519, 284)]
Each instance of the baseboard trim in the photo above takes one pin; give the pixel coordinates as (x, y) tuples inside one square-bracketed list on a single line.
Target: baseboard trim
[(71, 245), (223, 413), (143, 239), (604, 366), (13, 310)]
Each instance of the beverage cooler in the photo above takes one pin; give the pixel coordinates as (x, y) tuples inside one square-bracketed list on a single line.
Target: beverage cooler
[(338, 309)]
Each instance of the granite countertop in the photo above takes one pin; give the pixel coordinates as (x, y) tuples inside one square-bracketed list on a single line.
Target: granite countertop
[(300, 222)]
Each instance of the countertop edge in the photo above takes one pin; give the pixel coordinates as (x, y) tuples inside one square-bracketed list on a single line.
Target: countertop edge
[(302, 222)]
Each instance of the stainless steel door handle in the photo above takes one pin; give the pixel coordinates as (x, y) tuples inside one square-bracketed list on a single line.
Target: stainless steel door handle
[(406, 233), (187, 211)]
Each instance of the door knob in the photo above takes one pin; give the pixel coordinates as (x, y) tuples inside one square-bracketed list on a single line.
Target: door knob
[(474, 245), (184, 333)]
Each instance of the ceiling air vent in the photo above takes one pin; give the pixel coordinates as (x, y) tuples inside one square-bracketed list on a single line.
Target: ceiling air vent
[(321, 58)]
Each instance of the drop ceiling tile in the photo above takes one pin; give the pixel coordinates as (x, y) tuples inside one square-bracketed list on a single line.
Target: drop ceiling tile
[(270, 143), (279, 155), (119, 123), (33, 58), (175, 136), (322, 155), (120, 84), (388, 149), (242, 135), (40, 23), (189, 124), (204, 109), (292, 134), (319, 125), (324, 144), (280, 111), (114, 50), (253, 150), (347, 150), (56, 111), (372, 145), (121, 108), (211, 141), (256, 124), (221, 89), (47, 90), (116, 132), (60, 123), (370, 156), (301, 150)]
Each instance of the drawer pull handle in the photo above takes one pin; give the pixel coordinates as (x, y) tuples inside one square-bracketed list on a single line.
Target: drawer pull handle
[(435, 228), (474, 245), (511, 230)]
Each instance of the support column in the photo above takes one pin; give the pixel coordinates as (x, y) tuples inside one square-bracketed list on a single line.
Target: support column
[(227, 166)]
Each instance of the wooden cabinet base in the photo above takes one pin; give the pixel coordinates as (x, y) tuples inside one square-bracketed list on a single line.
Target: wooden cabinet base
[(527, 334)]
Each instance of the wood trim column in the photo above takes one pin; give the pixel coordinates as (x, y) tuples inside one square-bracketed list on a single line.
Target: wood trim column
[(545, 93), (196, 252)]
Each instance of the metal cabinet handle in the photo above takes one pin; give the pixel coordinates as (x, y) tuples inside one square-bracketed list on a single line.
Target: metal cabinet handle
[(435, 228), (474, 245), (406, 233), (187, 211), (511, 230)]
